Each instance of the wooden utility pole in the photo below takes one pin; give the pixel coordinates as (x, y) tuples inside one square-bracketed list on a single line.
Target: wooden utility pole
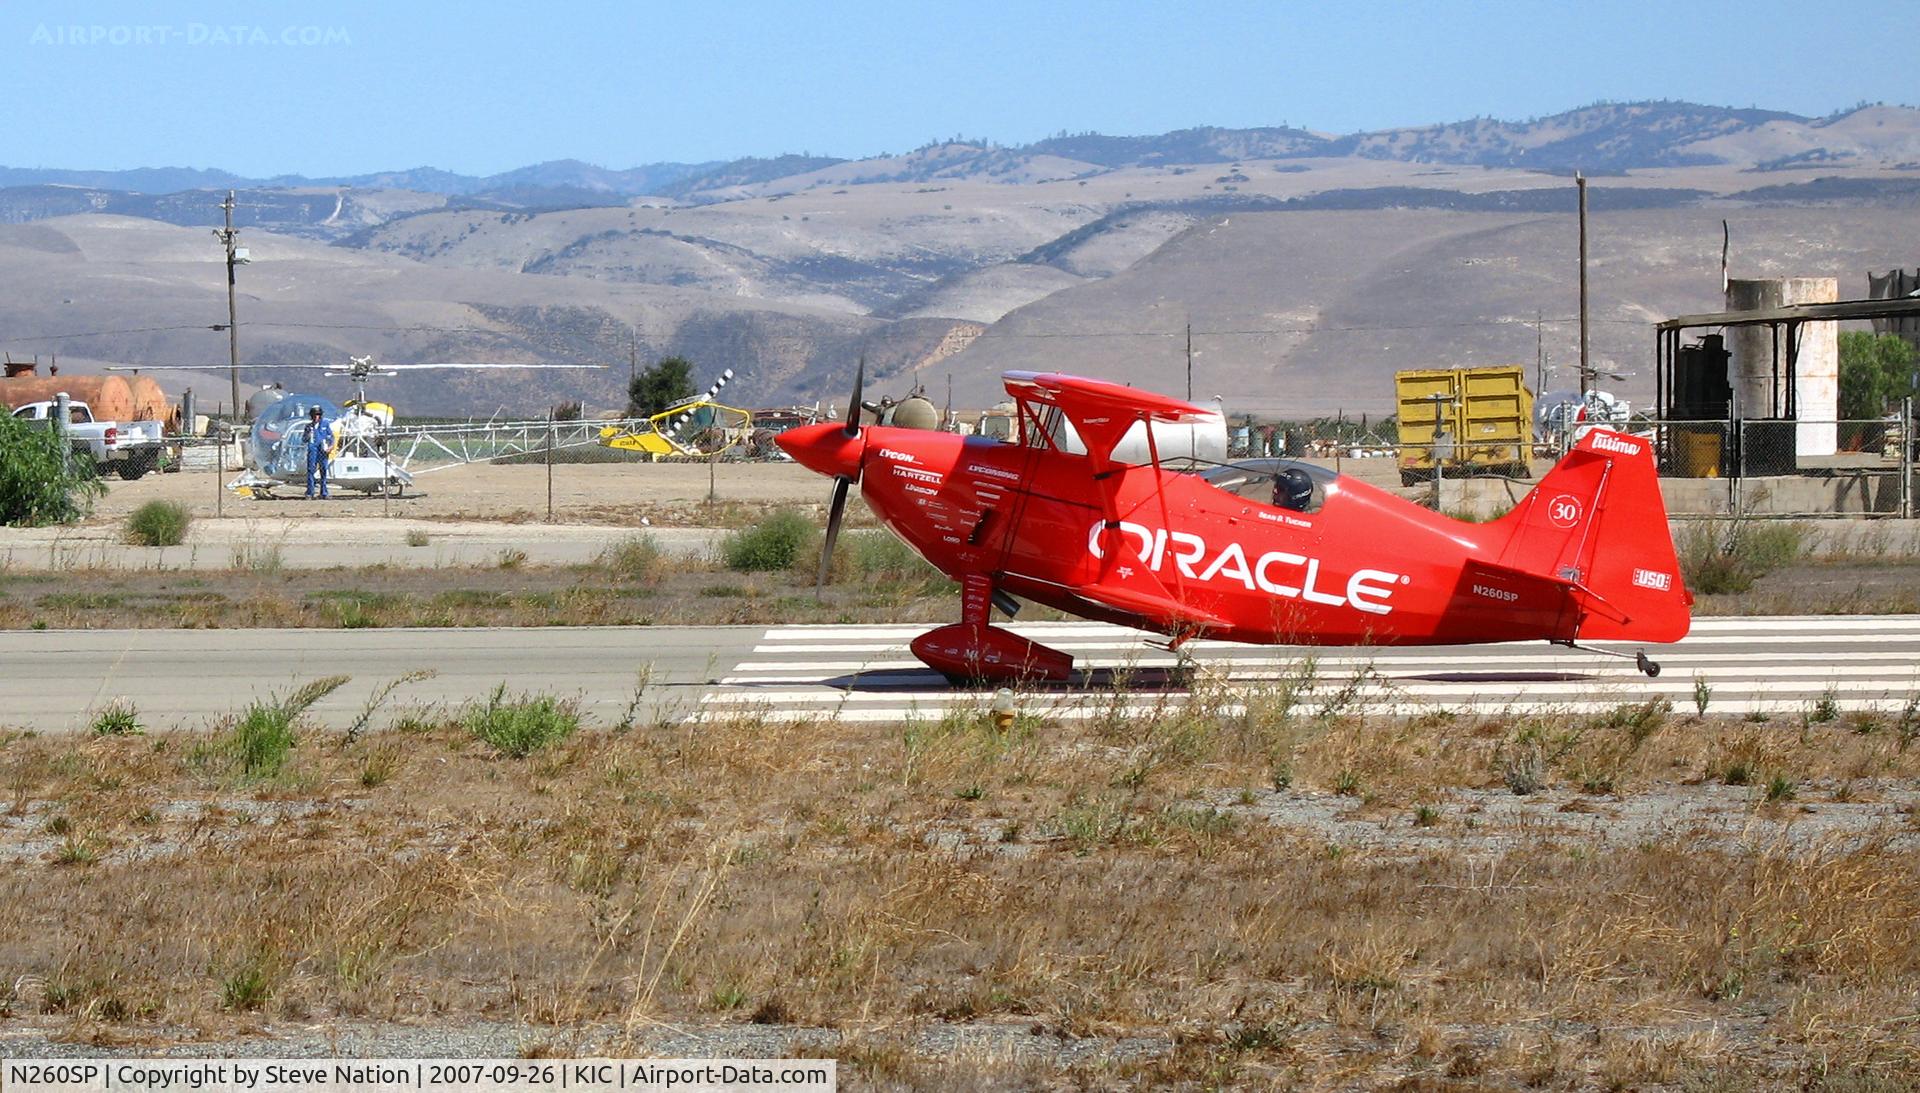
[(1586, 367), (1189, 362), (229, 238), (1539, 355)]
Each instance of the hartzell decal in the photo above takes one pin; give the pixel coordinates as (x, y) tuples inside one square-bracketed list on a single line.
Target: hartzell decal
[(1367, 590), (919, 474)]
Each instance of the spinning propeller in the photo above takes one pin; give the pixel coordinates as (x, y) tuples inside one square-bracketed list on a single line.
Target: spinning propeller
[(835, 450), (840, 481)]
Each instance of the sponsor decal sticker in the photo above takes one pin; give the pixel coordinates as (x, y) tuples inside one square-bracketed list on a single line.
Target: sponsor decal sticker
[(1618, 445), (1366, 590), (992, 472), (1654, 579)]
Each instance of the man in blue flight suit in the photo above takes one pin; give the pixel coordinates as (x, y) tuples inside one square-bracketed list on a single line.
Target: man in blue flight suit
[(319, 440)]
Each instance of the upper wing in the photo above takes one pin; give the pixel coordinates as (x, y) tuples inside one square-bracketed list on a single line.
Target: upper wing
[(1081, 398)]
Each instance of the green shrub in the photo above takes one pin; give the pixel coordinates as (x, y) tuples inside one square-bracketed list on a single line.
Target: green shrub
[(159, 524), (635, 558), (40, 481), (520, 726), (774, 543), (1728, 556), (885, 556)]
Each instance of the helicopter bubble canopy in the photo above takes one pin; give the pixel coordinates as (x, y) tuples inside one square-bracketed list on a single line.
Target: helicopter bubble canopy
[(279, 444)]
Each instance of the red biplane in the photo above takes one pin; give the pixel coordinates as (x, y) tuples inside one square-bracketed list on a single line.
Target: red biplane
[(1082, 513)]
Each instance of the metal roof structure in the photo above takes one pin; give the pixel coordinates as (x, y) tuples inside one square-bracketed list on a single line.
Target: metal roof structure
[(1799, 313)]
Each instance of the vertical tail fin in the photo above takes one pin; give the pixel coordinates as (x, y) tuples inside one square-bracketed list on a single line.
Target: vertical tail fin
[(1597, 523)]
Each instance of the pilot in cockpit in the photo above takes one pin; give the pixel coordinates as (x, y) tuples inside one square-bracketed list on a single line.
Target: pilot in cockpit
[(1292, 489)]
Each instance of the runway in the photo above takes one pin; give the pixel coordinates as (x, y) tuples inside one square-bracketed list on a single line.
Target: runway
[(55, 681), (1771, 664)]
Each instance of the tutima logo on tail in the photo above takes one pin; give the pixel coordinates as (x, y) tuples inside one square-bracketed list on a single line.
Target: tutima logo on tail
[(1604, 441), (1368, 590)]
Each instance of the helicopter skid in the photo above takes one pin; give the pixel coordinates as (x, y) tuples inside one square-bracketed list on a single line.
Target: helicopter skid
[(988, 654)]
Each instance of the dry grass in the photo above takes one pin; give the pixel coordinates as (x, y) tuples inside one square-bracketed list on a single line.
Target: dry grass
[(633, 582), (1114, 878)]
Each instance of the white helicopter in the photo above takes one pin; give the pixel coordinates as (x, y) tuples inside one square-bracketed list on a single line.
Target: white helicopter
[(276, 453)]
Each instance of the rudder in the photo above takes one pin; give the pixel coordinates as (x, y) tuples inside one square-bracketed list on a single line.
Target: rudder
[(1597, 522)]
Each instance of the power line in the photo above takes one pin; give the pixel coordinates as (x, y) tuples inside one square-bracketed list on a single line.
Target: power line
[(114, 333), (1305, 328)]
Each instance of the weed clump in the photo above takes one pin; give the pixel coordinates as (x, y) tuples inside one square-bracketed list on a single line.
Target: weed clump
[(118, 719), (774, 543), (1728, 557), (635, 558), (264, 736), (520, 726), (159, 524)]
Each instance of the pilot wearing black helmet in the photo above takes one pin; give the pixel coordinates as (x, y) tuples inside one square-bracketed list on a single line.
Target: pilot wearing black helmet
[(1292, 489)]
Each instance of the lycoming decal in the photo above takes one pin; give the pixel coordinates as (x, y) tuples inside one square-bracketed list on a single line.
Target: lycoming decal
[(1607, 442), (992, 472), (1367, 590)]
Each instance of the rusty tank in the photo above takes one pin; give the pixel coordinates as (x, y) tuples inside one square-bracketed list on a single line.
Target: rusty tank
[(109, 397)]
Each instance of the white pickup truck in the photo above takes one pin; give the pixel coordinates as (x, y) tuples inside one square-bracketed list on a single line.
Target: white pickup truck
[(131, 448)]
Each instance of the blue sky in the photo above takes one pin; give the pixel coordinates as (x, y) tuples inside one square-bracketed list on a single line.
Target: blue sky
[(478, 87)]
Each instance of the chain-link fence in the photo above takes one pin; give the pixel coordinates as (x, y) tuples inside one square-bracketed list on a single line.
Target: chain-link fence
[(1707, 468), (1788, 468)]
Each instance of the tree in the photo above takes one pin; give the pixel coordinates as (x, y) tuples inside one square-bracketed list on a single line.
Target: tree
[(665, 383), (1876, 372), (41, 482)]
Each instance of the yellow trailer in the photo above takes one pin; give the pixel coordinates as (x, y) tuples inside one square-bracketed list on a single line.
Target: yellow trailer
[(1469, 420)]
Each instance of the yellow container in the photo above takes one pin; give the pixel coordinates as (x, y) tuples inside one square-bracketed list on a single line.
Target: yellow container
[(1696, 450), (1485, 418)]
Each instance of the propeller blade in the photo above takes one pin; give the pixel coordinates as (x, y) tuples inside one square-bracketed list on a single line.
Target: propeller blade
[(834, 512), (853, 405)]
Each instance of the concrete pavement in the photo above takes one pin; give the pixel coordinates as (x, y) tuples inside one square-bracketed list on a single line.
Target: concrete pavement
[(56, 681)]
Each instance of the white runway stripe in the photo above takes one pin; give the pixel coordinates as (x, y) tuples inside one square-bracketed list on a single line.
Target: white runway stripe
[(1748, 625), (1779, 664)]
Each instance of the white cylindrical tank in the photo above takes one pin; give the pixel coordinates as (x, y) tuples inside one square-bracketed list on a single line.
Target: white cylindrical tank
[(1816, 369)]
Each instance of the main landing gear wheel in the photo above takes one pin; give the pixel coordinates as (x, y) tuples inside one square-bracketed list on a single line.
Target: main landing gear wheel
[(1646, 664)]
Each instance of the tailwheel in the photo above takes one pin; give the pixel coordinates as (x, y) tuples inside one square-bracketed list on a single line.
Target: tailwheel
[(1646, 664)]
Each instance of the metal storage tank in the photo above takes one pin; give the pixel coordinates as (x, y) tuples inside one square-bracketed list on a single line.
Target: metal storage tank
[(150, 403), (1816, 377), (108, 397)]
